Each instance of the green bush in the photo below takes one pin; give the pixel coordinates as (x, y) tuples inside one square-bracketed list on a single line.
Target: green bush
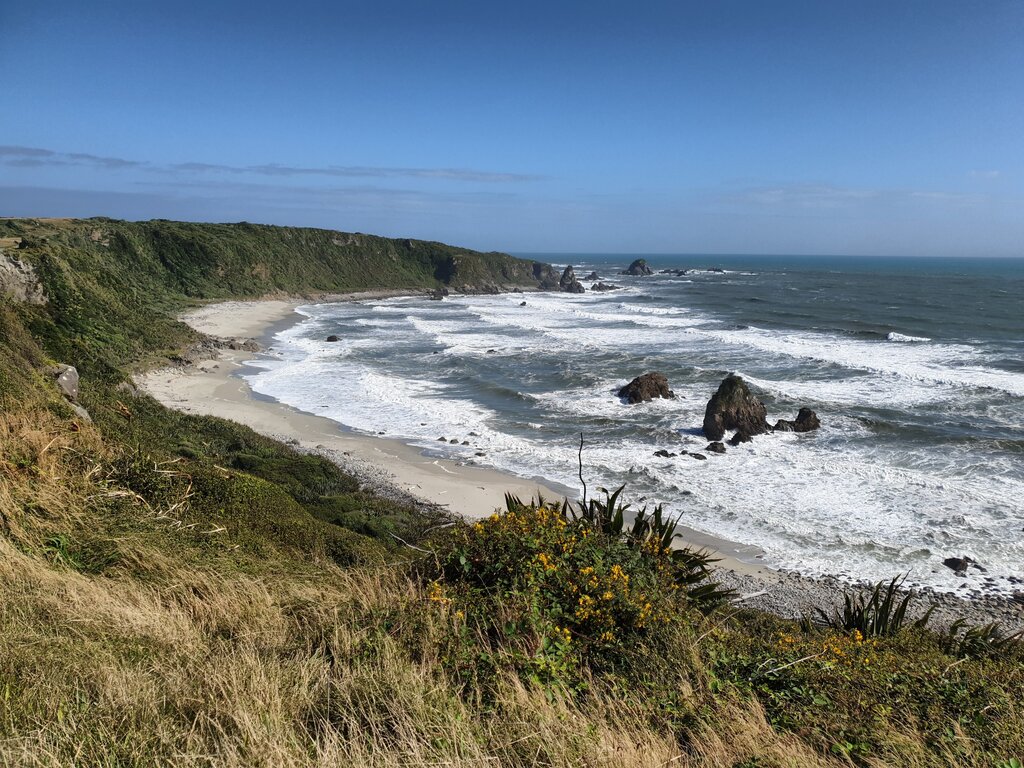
[(560, 596), (876, 614)]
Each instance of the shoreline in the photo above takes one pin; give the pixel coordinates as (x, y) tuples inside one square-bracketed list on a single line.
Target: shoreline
[(213, 386)]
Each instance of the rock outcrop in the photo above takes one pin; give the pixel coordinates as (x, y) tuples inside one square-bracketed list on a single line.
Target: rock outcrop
[(66, 377), (546, 276), (333, 337), (19, 281), (638, 267), (645, 388), (592, 276), (604, 287), (568, 282), (715, 447), (806, 421), (734, 407)]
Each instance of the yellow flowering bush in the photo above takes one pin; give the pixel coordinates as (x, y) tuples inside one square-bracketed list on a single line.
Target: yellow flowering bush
[(560, 591)]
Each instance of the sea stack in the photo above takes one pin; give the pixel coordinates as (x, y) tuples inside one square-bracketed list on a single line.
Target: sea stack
[(734, 407), (638, 267), (569, 283)]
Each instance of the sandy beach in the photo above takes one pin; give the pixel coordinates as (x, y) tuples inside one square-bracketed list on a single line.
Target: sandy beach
[(211, 387), (214, 387)]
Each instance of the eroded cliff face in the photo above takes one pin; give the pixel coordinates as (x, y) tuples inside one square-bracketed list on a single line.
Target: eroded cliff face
[(18, 280)]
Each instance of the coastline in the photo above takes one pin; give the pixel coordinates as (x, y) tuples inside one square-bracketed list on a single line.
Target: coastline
[(213, 386)]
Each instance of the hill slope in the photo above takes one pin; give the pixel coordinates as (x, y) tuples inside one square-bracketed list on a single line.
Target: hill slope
[(178, 590)]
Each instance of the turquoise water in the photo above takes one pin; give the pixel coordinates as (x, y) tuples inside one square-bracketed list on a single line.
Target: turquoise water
[(916, 368)]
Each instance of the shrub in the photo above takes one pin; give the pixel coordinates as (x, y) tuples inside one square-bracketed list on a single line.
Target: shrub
[(979, 641), (876, 614), (562, 596)]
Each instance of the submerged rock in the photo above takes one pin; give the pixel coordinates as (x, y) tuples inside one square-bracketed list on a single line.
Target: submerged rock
[(734, 407), (604, 287), (333, 337), (665, 454), (645, 388), (715, 447), (638, 267)]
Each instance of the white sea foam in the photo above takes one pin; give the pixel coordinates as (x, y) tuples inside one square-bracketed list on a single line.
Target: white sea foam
[(893, 336), (838, 499)]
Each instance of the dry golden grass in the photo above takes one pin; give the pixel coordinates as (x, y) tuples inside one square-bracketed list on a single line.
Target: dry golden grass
[(235, 672), (158, 662)]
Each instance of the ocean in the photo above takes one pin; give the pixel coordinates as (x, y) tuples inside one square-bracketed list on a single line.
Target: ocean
[(914, 366)]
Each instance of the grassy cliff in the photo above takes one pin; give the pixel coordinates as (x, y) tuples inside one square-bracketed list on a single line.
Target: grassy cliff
[(177, 590)]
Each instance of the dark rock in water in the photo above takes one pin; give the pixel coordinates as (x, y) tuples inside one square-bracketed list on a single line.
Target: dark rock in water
[(465, 442), (665, 454), (959, 565), (740, 437), (332, 337), (638, 267), (592, 276), (522, 303), (569, 283), (806, 421), (676, 272), (438, 293), (492, 351), (734, 407), (442, 439), (715, 447), (699, 456), (645, 388), (604, 287)]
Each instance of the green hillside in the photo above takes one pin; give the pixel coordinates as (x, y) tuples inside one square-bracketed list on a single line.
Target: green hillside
[(178, 590)]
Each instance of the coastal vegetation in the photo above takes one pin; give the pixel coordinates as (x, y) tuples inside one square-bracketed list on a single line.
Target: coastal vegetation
[(179, 590)]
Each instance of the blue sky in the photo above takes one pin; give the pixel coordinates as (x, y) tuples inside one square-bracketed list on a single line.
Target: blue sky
[(876, 128)]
